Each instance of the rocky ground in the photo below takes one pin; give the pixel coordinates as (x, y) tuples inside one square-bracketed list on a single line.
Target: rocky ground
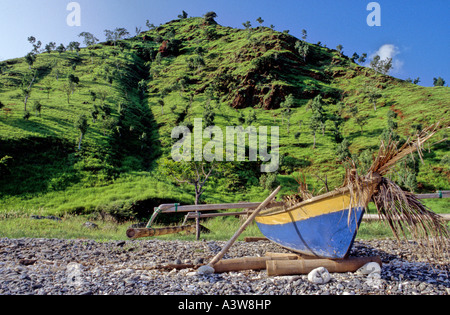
[(85, 267)]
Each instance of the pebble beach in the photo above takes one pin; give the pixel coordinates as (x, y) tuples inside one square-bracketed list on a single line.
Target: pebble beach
[(86, 267)]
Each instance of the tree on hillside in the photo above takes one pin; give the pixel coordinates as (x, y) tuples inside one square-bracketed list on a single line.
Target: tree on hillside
[(37, 107), (26, 115), (89, 39), (74, 46), (287, 112), (60, 49), (343, 151), (260, 21), (47, 86), (304, 34), (30, 58), (25, 89), (50, 46), (161, 103), (318, 118), (389, 133), (251, 118), (337, 122), (116, 35), (82, 125), (381, 66), (361, 121), (415, 81), (208, 114), (302, 48), (94, 113), (68, 89), (183, 15), (373, 95), (149, 25), (209, 17), (192, 173), (438, 81), (362, 58), (339, 49), (247, 25), (36, 44)]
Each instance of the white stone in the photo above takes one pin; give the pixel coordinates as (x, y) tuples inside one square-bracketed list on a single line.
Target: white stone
[(205, 270), (369, 268), (319, 276)]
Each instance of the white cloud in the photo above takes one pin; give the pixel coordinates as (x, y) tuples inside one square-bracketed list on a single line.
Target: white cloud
[(390, 51)]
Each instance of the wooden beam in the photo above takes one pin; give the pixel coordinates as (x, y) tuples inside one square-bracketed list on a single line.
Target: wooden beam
[(201, 208), (192, 215), (375, 217), (437, 195)]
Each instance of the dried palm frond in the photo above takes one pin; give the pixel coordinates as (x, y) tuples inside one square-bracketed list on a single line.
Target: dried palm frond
[(389, 154), (361, 189), (402, 211), (303, 191), (405, 214), (292, 200)]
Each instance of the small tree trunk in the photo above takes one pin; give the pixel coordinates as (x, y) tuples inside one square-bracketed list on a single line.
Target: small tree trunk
[(79, 143), (25, 103)]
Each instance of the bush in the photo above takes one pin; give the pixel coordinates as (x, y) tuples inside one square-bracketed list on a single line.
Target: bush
[(269, 181), (290, 164)]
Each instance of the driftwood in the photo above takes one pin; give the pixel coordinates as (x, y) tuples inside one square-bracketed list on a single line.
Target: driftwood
[(305, 266)]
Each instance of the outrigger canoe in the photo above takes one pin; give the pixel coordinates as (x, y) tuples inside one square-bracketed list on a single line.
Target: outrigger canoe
[(324, 226)]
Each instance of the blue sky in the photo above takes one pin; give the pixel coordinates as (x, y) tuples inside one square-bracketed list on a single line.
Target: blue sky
[(416, 33)]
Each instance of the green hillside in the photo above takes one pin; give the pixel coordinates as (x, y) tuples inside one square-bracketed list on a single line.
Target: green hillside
[(134, 91)]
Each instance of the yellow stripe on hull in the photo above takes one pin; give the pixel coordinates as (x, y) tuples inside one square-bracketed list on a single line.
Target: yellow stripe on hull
[(309, 210)]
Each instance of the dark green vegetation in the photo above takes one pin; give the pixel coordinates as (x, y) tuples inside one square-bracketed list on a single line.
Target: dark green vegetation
[(84, 130)]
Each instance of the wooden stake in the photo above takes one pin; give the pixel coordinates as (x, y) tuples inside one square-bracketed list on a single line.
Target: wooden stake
[(227, 246)]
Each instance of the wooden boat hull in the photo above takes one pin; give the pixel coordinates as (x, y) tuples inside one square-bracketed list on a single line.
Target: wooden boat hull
[(323, 228)]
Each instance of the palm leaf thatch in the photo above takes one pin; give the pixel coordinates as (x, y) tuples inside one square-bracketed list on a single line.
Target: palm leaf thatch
[(405, 214), (402, 211)]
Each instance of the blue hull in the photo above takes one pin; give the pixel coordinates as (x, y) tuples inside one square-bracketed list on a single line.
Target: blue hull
[(329, 235)]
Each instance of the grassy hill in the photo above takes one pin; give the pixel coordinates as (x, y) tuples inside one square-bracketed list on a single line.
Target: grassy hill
[(133, 92)]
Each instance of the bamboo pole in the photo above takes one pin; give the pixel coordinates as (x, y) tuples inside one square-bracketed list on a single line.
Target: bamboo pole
[(248, 263), (227, 246), (305, 266), (140, 233)]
